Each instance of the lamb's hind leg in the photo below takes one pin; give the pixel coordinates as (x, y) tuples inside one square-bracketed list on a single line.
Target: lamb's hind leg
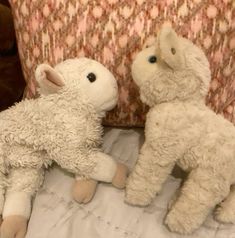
[(226, 211), (22, 185)]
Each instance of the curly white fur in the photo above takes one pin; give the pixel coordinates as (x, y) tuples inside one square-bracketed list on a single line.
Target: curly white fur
[(62, 125), (181, 130)]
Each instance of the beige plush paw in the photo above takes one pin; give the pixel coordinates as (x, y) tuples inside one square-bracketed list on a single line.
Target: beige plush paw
[(225, 215), (119, 179), (137, 197), (137, 192), (84, 190), (13, 227), (181, 223)]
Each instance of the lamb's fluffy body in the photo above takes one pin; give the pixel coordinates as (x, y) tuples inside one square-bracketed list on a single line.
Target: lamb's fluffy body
[(181, 130), (64, 133), (62, 125)]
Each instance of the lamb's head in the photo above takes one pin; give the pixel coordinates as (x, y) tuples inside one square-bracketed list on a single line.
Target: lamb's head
[(171, 69), (84, 79)]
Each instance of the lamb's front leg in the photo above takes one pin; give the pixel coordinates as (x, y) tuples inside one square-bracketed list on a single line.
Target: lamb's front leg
[(83, 189), (201, 192), (22, 186), (106, 170), (153, 166)]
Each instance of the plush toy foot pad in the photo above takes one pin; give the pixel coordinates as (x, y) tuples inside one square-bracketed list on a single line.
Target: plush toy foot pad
[(84, 190), (119, 180), (14, 227)]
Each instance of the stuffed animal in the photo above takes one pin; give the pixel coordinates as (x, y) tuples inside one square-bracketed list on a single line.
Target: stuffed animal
[(62, 125), (173, 76)]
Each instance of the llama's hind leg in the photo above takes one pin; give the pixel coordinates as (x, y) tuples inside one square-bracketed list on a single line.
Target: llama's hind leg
[(225, 213), (201, 192)]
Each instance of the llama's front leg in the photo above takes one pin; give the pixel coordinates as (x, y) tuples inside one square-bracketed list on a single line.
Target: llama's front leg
[(149, 174), (22, 186), (201, 192)]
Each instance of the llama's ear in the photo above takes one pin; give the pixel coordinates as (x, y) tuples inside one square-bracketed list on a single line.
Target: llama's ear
[(49, 80), (169, 48)]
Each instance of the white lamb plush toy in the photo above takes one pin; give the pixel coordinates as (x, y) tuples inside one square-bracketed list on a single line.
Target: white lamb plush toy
[(62, 125), (173, 76)]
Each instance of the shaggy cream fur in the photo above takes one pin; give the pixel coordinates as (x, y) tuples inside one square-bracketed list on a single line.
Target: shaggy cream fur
[(62, 125), (181, 130)]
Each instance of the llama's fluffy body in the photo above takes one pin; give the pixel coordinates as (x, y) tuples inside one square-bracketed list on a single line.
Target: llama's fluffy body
[(62, 125), (181, 130)]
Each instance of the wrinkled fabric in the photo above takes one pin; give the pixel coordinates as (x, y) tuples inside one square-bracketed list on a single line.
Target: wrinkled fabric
[(56, 215)]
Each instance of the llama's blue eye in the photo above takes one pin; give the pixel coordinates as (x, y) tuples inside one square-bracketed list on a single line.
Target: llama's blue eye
[(91, 77), (152, 59)]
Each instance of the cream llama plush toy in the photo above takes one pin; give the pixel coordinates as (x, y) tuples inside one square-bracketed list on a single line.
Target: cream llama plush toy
[(62, 125), (173, 76)]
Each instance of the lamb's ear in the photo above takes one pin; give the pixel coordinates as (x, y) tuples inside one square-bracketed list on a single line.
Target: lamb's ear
[(48, 79), (169, 48)]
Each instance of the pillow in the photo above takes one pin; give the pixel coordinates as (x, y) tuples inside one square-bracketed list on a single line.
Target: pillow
[(112, 31)]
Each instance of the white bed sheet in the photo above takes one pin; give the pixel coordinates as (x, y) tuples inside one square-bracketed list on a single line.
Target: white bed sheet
[(56, 215)]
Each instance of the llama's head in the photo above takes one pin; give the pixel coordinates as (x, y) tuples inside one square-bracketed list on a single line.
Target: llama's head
[(171, 69)]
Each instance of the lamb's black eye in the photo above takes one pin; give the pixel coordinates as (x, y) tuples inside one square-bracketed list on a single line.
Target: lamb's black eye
[(91, 77), (152, 59)]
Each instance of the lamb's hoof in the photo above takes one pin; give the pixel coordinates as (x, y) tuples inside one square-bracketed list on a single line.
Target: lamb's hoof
[(225, 215), (120, 177), (181, 224), (84, 190), (14, 227)]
